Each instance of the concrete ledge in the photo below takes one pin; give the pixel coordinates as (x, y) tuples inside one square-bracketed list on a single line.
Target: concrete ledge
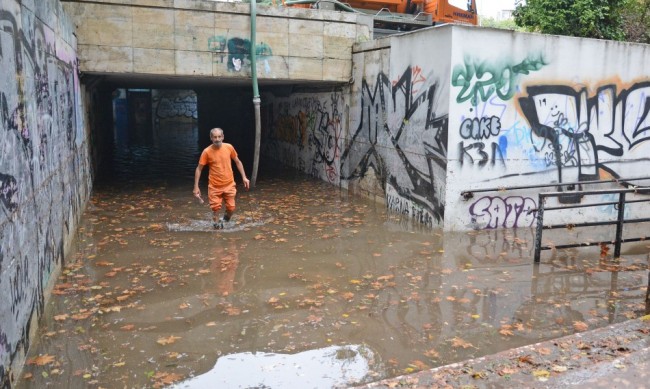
[(619, 353)]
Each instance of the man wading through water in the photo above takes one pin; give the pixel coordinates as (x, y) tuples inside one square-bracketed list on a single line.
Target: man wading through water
[(221, 181)]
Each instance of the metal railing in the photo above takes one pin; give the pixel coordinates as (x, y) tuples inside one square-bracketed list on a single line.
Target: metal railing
[(619, 222), (620, 204)]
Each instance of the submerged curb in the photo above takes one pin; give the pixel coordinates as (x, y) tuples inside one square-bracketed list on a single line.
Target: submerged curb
[(616, 356)]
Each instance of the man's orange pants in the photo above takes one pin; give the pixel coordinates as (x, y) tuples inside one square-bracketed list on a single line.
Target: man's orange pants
[(226, 194)]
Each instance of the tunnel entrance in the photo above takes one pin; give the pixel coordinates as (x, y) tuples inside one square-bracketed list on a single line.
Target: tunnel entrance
[(155, 129), (154, 135)]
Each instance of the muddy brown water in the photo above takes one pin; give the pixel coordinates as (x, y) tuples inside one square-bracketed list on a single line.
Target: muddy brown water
[(308, 287)]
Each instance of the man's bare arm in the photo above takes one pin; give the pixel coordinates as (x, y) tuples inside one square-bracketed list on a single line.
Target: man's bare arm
[(197, 178), (240, 167)]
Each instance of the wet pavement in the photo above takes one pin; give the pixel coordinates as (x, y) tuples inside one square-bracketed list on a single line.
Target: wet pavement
[(617, 356), (306, 287)]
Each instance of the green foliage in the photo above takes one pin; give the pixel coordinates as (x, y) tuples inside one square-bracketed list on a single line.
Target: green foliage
[(505, 24), (581, 18), (636, 21)]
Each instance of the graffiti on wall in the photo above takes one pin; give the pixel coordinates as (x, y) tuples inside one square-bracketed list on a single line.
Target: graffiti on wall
[(44, 168), (478, 145), (237, 52), (480, 80), (390, 111), (312, 126), (8, 189), (503, 212), (573, 131), (570, 134), (178, 104)]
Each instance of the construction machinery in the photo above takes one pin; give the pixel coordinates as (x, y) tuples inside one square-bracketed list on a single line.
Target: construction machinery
[(391, 16)]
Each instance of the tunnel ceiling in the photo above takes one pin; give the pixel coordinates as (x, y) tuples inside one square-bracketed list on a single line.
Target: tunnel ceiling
[(131, 80)]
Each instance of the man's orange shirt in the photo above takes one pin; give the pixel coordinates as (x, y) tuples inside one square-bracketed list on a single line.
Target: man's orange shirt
[(219, 161)]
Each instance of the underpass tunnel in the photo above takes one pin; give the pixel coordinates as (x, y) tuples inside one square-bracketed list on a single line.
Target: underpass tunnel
[(155, 128)]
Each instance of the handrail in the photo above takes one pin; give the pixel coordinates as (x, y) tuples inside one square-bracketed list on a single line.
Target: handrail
[(619, 222), (469, 193)]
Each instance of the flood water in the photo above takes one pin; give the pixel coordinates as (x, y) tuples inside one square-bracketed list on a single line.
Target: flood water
[(308, 287)]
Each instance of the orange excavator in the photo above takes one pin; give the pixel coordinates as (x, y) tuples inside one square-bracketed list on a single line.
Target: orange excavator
[(392, 16)]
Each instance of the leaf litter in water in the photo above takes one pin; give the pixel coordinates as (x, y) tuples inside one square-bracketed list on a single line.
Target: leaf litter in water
[(168, 340), (391, 282)]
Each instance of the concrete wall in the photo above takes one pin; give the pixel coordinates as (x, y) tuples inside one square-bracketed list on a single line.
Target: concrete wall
[(530, 109), (452, 109), (174, 105), (306, 131), (201, 38), (397, 141), (44, 168)]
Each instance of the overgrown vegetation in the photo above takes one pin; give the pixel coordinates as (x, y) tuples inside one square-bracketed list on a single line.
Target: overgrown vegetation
[(636, 21), (505, 24), (581, 18), (621, 20)]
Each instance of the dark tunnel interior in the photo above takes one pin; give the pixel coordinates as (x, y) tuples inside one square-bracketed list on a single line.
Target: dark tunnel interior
[(144, 130)]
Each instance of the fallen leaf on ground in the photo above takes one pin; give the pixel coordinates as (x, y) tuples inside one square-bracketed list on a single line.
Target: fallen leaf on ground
[(314, 319), (169, 340), (541, 375), (164, 379), (580, 326), (458, 342), (81, 316), (507, 371), (526, 359), (559, 369), (41, 360), (433, 354)]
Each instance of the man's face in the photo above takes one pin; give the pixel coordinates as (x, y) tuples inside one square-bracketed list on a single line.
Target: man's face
[(216, 138)]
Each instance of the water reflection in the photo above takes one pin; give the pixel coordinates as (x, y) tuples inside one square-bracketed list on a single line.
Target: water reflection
[(170, 155), (225, 262), (329, 367)]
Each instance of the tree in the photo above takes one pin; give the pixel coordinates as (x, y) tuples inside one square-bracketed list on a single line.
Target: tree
[(636, 21), (581, 18)]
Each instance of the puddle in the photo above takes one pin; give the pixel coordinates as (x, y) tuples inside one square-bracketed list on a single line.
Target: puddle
[(329, 367), (313, 288)]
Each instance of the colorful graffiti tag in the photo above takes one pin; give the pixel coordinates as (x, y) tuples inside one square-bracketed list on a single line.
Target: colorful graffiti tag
[(574, 130), (479, 80), (237, 52), (503, 212)]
